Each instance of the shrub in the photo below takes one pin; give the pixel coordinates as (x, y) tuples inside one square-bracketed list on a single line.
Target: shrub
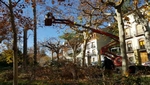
[(7, 76)]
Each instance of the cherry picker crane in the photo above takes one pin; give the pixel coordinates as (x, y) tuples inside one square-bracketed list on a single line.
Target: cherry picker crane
[(50, 19)]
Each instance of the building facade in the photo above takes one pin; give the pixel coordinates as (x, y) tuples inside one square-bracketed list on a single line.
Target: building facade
[(94, 45), (135, 44), (135, 41)]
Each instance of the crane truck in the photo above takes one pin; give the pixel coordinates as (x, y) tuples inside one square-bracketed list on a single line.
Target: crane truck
[(50, 19)]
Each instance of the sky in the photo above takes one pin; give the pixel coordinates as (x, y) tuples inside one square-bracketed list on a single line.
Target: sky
[(44, 32)]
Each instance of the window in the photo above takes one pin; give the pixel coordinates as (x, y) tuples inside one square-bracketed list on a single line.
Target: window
[(142, 44), (131, 59), (94, 52), (93, 45), (129, 46), (127, 33), (93, 59), (94, 35), (88, 46), (114, 50), (139, 29)]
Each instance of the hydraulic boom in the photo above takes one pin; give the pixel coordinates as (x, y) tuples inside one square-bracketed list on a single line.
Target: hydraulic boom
[(104, 50)]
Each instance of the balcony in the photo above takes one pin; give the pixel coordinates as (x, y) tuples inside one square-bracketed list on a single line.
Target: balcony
[(142, 48), (139, 34), (91, 54), (129, 48), (130, 51), (128, 36), (93, 46), (88, 47)]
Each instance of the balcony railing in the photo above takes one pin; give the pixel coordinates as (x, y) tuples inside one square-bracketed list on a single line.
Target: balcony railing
[(129, 51), (128, 36), (139, 34), (91, 54), (88, 47), (142, 47), (93, 46)]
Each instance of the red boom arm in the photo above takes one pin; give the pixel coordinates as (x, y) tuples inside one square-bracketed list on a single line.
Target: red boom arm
[(104, 49)]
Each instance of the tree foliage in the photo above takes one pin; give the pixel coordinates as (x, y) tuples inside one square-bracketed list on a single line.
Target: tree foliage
[(73, 40), (4, 24), (8, 56)]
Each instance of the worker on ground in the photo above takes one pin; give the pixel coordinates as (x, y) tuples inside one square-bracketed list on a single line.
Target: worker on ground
[(108, 67)]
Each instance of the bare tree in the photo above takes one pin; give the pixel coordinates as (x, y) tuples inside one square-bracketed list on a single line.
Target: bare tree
[(54, 45)]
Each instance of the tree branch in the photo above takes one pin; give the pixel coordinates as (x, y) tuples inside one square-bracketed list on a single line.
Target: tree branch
[(18, 1), (116, 5), (90, 5), (4, 3)]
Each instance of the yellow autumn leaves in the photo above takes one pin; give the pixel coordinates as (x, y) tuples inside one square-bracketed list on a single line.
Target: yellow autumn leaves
[(8, 55)]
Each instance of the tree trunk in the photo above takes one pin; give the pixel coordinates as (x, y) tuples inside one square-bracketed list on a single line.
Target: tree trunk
[(122, 40), (84, 51), (74, 54), (25, 49), (35, 32), (15, 49), (34, 38), (52, 55), (57, 55)]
